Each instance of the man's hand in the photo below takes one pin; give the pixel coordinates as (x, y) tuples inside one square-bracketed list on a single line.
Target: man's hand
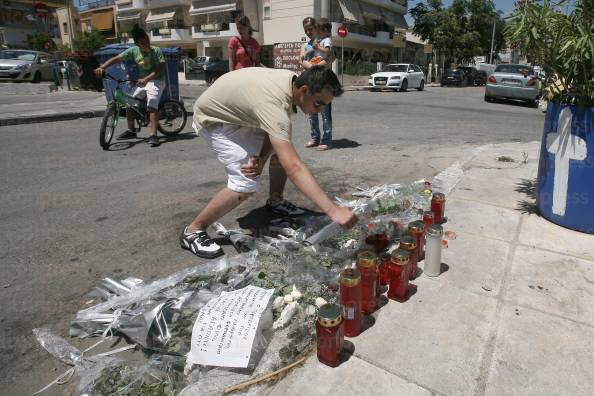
[(142, 82), (343, 216), (253, 168), (99, 72)]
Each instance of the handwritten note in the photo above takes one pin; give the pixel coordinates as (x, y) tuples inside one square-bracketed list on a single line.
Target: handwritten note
[(226, 326)]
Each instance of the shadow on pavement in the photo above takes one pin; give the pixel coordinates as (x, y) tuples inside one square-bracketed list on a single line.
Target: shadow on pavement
[(344, 143), (528, 188), (128, 144)]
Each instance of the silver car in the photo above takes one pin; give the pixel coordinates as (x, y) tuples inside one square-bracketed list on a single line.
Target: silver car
[(24, 65), (513, 82)]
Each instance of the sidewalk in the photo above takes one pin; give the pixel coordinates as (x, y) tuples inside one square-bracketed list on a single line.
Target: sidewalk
[(513, 313)]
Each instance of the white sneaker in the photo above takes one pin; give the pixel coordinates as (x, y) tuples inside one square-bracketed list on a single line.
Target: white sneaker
[(284, 208), (199, 243)]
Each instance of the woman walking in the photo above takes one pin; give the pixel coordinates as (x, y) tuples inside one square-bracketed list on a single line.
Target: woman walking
[(244, 50)]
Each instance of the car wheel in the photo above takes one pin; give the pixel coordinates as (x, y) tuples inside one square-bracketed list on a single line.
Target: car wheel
[(403, 86), (488, 98), (37, 78), (533, 103), (422, 85)]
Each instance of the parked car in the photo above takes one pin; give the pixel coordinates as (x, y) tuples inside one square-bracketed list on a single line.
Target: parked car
[(398, 76), (203, 61), (455, 77), (214, 70), (480, 78), (516, 82), (24, 65), (470, 73)]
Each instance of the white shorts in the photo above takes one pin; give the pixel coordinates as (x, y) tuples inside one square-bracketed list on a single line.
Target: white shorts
[(152, 92), (233, 146)]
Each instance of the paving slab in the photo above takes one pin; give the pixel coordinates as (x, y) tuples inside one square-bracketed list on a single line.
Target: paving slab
[(481, 219), (436, 339), (553, 283), (353, 377), (539, 354), (538, 232), (475, 263), (500, 187)]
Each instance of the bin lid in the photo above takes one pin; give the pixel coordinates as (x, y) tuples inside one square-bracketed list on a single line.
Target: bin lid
[(116, 49)]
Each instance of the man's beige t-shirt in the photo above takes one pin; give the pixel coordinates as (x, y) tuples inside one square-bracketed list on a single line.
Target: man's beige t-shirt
[(254, 97)]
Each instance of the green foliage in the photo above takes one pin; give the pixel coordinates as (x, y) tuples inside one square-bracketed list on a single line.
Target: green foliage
[(38, 41), (562, 43), (89, 41), (462, 30)]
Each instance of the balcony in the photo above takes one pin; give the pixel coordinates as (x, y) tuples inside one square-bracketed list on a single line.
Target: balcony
[(151, 4), (130, 5), (396, 6), (174, 35), (212, 31), (362, 35)]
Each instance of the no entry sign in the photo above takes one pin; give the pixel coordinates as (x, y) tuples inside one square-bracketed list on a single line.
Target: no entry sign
[(342, 31)]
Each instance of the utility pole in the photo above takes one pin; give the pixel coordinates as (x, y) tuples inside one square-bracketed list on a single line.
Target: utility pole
[(492, 40)]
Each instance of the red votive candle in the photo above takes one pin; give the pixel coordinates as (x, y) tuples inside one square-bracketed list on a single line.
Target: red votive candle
[(409, 244), (438, 207), (350, 301), (398, 275), (416, 229), (367, 265), (330, 334), (428, 219)]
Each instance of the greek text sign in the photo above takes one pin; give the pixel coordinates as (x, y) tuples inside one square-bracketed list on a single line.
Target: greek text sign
[(286, 56)]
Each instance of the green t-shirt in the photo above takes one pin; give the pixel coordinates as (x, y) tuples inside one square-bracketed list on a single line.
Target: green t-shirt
[(147, 62)]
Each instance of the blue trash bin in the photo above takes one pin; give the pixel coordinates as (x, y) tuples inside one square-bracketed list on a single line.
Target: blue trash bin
[(129, 70), (565, 183)]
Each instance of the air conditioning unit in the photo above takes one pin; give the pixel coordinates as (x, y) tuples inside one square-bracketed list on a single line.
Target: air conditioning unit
[(210, 27)]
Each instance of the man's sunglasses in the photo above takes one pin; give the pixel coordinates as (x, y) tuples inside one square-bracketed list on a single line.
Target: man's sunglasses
[(319, 105)]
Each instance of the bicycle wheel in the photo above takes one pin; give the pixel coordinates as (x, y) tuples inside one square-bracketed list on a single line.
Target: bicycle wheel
[(108, 126), (172, 117)]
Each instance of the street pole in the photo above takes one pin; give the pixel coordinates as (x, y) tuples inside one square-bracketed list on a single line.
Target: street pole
[(342, 61), (492, 42)]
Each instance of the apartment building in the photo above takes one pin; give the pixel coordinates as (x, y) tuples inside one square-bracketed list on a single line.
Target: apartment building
[(203, 27)]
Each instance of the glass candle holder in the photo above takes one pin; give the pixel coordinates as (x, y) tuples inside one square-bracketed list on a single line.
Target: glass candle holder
[(433, 250), (438, 207), (398, 275), (379, 241), (350, 301), (409, 244), (330, 334), (367, 265), (416, 229), (428, 218), (384, 272)]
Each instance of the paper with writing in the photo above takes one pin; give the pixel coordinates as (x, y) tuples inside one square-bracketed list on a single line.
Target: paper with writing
[(225, 328)]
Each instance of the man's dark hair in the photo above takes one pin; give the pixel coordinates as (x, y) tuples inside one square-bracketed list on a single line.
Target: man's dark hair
[(319, 78), (138, 34), (309, 21)]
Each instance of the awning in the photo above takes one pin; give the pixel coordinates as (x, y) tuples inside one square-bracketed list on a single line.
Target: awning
[(102, 20), (200, 7), (128, 16), (371, 11), (394, 19), (350, 11), (161, 15)]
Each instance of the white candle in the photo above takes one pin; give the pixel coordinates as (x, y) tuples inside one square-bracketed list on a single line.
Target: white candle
[(433, 250)]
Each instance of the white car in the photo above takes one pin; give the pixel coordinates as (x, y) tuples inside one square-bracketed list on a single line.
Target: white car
[(23, 65), (399, 77)]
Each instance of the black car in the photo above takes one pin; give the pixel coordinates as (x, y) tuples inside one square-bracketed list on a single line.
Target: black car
[(214, 70), (480, 78), (454, 77)]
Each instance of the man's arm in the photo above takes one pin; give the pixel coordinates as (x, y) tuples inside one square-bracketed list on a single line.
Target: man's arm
[(116, 59), (300, 175), (156, 73)]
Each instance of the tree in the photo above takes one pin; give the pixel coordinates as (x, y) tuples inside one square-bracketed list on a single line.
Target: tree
[(89, 41), (460, 31), (39, 41)]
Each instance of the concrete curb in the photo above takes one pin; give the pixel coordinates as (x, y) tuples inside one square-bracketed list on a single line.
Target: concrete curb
[(66, 116)]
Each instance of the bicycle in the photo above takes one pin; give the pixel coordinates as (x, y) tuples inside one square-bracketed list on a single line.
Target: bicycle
[(171, 115)]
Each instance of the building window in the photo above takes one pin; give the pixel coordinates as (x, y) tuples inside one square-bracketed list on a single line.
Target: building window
[(64, 27), (267, 11)]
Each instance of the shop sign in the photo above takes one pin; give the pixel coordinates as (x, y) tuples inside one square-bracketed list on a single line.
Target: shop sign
[(428, 49), (286, 56)]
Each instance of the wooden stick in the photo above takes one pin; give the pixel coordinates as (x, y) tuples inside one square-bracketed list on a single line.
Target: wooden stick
[(262, 378)]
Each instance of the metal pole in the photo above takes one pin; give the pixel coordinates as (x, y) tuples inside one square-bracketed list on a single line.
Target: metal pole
[(492, 42), (342, 61)]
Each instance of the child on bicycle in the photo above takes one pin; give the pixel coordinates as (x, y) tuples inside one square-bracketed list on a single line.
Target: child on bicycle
[(150, 85)]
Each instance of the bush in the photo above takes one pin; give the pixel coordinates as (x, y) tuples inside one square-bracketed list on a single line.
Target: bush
[(89, 41)]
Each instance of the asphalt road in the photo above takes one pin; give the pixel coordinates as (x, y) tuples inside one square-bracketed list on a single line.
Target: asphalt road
[(71, 214)]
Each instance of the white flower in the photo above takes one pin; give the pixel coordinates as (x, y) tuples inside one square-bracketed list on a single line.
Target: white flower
[(278, 302), (288, 298), (286, 315), (296, 294), (320, 301)]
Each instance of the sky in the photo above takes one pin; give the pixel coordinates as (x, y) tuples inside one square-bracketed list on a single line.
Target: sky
[(502, 5)]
